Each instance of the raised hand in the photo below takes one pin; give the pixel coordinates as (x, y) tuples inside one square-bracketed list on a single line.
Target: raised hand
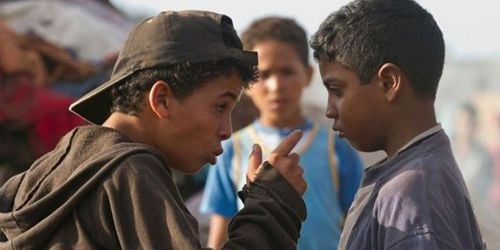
[(286, 163)]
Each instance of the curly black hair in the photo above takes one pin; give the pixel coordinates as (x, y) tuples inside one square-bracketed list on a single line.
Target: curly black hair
[(183, 79)]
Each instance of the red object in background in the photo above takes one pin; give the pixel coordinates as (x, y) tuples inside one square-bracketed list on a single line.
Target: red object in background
[(43, 112)]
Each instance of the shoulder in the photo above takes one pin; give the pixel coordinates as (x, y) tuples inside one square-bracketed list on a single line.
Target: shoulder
[(420, 166), (240, 142), (402, 183), (141, 176), (402, 191), (244, 130), (404, 179), (323, 128), (140, 161), (237, 137), (421, 193), (321, 134), (401, 202), (408, 190)]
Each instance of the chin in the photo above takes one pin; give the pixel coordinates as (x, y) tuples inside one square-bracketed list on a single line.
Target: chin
[(356, 146), (193, 170), (190, 169), (202, 166), (364, 147), (354, 143)]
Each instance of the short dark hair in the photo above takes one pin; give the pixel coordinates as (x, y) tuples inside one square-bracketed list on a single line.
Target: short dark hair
[(183, 79), (365, 34), (274, 28)]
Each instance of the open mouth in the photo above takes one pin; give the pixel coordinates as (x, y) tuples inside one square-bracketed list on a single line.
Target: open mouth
[(213, 156), (338, 132), (213, 160), (218, 152)]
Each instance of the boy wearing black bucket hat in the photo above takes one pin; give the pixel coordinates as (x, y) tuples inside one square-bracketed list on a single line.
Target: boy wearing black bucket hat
[(167, 106)]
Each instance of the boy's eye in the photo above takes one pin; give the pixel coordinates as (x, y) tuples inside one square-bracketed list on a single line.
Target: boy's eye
[(264, 75), (287, 71), (335, 90), (221, 107)]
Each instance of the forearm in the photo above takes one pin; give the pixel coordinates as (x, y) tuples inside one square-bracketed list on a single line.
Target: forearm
[(218, 231)]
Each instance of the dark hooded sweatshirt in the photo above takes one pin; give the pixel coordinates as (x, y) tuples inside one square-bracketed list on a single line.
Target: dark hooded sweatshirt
[(97, 189)]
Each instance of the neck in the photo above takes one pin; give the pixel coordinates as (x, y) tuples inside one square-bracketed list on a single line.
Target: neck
[(282, 122), (408, 125), (128, 125)]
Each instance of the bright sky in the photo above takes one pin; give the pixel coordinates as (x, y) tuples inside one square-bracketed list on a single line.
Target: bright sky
[(470, 27)]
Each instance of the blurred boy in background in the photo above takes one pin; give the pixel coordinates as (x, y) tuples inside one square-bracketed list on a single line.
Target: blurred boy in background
[(332, 168)]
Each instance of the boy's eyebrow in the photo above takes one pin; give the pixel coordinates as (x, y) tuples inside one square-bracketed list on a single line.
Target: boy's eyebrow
[(230, 95), (333, 81)]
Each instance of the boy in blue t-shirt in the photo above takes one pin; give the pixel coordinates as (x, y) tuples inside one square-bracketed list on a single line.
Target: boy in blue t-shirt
[(332, 168)]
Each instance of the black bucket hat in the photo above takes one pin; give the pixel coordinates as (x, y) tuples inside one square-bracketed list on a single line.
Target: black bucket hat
[(168, 38)]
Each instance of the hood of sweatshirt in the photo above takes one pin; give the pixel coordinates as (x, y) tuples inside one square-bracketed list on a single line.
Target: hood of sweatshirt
[(34, 203)]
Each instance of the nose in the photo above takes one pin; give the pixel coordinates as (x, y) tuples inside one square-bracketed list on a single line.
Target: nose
[(331, 109), (330, 113), (274, 83), (226, 130)]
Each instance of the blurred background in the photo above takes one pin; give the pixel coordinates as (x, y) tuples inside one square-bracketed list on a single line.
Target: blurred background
[(53, 51)]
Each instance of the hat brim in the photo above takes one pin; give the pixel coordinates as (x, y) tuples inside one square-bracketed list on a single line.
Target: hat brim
[(95, 106)]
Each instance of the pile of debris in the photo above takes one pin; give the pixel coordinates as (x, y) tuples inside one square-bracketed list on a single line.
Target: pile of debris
[(51, 52)]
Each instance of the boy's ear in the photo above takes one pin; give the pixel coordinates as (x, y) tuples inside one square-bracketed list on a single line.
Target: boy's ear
[(391, 77), (159, 98)]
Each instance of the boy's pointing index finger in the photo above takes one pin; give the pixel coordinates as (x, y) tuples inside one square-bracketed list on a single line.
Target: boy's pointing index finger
[(286, 146)]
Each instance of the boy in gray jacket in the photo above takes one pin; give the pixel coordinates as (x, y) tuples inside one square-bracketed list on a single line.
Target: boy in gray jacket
[(167, 106)]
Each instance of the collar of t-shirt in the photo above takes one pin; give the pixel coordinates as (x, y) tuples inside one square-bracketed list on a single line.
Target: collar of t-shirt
[(421, 136), (415, 139), (270, 137)]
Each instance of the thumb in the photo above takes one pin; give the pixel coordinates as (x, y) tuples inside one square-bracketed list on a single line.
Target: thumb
[(254, 162)]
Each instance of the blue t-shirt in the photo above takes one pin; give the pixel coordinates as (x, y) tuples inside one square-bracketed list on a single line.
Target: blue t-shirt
[(332, 170)]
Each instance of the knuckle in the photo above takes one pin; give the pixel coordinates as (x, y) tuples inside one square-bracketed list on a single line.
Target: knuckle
[(294, 157), (272, 157)]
